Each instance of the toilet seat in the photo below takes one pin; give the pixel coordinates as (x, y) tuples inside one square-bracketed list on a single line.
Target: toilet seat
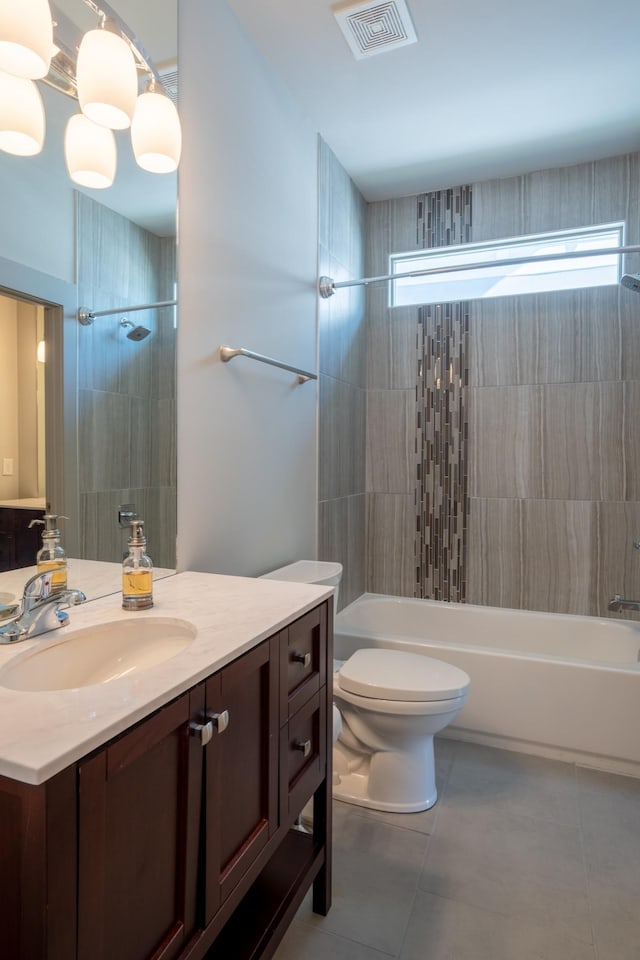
[(397, 676)]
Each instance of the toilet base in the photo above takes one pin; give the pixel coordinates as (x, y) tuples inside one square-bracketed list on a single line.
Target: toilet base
[(392, 781)]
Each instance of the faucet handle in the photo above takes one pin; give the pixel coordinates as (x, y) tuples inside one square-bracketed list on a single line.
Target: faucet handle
[(37, 588)]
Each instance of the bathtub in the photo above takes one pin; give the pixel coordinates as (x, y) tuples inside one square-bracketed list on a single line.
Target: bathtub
[(550, 684)]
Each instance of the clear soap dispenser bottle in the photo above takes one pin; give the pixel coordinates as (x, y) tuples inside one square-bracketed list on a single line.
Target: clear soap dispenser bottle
[(51, 556), (137, 571)]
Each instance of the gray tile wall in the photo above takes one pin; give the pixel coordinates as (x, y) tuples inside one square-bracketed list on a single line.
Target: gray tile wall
[(554, 397), (343, 372), (554, 390), (126, 402)]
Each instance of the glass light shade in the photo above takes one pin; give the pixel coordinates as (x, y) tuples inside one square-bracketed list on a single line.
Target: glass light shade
[(107, 79), (22, 121), (41, 351), (26, 38), (90, 152), (156, 134)]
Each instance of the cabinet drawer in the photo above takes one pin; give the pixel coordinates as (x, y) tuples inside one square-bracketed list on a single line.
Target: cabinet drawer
[(303, 664), (303, 755)]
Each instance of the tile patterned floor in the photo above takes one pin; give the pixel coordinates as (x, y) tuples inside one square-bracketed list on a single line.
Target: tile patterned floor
[(521, 859)]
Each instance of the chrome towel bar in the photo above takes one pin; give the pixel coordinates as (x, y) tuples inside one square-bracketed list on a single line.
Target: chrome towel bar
[(228, 353)]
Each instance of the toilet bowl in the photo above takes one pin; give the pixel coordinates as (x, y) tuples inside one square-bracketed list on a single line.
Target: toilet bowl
[(392, 703)]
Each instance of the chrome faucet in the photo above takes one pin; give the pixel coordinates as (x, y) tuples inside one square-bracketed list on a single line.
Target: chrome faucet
[(42, 609), (619, 604)]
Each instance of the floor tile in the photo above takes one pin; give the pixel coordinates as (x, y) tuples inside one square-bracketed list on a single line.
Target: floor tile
[(375, 877), (513, 783), (512, 865), (303, 942), (616, 921), (610, 814), (443, 929)]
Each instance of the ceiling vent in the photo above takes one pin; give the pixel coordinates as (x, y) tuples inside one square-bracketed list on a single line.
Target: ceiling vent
[(371, 28), (168, 73)]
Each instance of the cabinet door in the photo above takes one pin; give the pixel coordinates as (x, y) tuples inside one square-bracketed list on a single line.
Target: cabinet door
[(139, 808), (241, 769)]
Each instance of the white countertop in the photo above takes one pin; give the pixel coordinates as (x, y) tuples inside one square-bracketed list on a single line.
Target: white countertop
[(42, 733)]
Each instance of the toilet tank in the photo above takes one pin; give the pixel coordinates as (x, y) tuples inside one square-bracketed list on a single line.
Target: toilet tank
[(324, 572)]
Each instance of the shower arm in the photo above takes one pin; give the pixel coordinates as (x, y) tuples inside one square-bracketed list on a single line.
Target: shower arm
[(86, 316), (327, 287)]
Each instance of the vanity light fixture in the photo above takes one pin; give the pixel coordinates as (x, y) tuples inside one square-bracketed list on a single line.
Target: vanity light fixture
[(90, 153), (26, 38), (106, 77), (101, 70), (156, 136), (22, 122)]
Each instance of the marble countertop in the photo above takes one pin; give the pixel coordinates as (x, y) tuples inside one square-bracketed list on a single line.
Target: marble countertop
[(42, 733)]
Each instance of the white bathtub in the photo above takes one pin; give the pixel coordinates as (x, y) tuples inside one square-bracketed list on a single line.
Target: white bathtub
[(555, 685)]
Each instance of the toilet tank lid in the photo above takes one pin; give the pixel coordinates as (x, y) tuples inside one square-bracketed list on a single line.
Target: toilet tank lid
[(383, 674), (308, 571)]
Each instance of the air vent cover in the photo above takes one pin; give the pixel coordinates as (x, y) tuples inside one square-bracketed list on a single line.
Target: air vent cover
[(168, 73), (371, 28)]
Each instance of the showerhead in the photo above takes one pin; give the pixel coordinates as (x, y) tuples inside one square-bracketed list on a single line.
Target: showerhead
[(136, 333), (632, 281)]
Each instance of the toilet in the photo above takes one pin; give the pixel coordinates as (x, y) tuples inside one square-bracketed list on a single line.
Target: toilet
[(390, 704)]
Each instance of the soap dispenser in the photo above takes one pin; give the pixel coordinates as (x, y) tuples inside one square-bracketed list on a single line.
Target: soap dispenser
[(137, 571), (51, 556)]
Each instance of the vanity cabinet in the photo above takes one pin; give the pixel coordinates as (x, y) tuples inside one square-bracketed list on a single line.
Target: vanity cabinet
[(178, 839), (19, 543)]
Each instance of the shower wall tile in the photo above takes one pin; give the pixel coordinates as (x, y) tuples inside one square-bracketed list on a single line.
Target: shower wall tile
[(559, 199), (616, 562), (582, 441), (567, 336), (498, 209), (391, 228), (504, 442), (126, 404), (559, 540), (342, 539), (342, 212), (104, 440), (390, 536), (631, 440), (495, 551), (342, 329), (341, 439), (391, 343), (391, 441)]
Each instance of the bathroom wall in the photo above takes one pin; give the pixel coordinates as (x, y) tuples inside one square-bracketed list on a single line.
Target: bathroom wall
[(8, 394), (536, 503), (247, 254), (126, 397), (343, 375)]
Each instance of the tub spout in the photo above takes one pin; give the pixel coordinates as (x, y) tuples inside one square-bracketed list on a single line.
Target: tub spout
[(619, 604)]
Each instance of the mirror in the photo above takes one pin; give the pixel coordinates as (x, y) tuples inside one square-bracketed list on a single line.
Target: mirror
[(106, 427)]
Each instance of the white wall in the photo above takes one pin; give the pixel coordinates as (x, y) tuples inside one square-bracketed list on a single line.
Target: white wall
[(247, 277), (38, 206), (8, 396)]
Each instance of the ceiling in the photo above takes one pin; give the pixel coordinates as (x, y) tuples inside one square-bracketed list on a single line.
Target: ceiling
[(490, 90)]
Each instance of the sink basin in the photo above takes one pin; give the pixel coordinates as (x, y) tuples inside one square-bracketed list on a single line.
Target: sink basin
[(99, 654)]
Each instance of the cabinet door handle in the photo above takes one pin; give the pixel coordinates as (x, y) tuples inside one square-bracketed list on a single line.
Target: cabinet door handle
[(219, 720), (202, 730), (303, 658), (304, 746)]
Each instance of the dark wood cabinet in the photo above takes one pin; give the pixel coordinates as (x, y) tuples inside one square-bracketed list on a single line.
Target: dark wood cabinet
[(174, 841), (138, 836), (19, 544)]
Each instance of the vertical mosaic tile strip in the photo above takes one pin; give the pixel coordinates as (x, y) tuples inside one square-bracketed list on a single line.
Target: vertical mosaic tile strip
[(442, 351)]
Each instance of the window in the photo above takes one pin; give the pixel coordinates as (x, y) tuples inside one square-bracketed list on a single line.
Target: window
[(456, 283)]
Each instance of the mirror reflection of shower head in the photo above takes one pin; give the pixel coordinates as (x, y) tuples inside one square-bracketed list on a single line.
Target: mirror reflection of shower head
[(136, 333), (632, 281)]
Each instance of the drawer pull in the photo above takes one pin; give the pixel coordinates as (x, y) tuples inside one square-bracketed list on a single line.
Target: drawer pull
[(202, 730), (219, 720), (303, 658), (304, 746)]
